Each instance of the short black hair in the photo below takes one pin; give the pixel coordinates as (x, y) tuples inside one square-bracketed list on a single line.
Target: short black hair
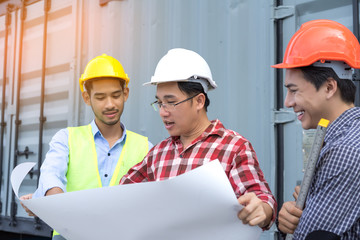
[(88, 83), (319, 75), (192, 89)]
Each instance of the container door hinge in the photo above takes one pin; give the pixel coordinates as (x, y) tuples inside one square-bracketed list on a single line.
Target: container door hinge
[(283, 116), (282, 12)]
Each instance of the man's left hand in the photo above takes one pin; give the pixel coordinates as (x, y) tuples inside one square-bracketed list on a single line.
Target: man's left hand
[(255, 211)]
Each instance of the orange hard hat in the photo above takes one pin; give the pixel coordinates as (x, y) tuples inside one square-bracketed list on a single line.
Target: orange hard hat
[(321, 40)]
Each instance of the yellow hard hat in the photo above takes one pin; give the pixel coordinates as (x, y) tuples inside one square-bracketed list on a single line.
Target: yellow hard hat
[(103, 66)]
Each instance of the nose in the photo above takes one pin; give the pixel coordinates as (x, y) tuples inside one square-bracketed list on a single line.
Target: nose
[(109, 103), (289, 100), (163, 112)]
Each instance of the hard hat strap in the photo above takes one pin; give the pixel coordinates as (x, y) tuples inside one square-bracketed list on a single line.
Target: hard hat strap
[(342, 70)]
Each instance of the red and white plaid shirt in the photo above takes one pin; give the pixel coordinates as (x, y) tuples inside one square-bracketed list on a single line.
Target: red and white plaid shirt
[(236, 155)]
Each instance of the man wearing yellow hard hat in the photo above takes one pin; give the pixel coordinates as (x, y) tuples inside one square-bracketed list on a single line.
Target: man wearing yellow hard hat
[(319, 63), (100, 153)]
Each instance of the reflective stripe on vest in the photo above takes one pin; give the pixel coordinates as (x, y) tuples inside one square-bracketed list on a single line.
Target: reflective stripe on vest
[(83, 172)]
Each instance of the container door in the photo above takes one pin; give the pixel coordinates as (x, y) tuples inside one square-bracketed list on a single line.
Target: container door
[(38, 44)]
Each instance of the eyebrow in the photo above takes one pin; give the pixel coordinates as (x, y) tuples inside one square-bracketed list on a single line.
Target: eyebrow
[(166, 96), (116, 92), (101, 93), (290, 85)]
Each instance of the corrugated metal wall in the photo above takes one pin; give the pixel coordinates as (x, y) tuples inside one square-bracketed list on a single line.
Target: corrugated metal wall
[(23, 90), (233, 36)]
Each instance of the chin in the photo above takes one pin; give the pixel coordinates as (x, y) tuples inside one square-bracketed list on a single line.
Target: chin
[(308, 126), (110, 123), (172, 133)]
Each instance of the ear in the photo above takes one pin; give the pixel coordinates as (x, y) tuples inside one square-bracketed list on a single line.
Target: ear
[(330, 87), (126, 92), (200, 101), (86, 97)]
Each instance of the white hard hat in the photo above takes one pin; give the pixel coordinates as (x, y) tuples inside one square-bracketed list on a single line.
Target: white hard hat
[(181, 65)]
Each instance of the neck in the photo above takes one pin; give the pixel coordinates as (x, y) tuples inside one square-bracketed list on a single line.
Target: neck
[(195, 132), (111, 133), (338, 108)]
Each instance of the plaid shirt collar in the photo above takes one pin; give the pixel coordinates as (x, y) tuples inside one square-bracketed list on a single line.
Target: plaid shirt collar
[(215, 128), (342, 123)]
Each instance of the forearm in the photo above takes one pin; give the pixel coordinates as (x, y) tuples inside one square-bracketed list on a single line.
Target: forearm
[(254, 182)]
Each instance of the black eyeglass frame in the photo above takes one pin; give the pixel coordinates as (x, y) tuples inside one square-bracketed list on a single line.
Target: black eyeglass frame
[(160, 105)]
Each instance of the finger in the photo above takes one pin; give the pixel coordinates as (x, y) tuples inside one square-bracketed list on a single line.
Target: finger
[(253, 213), (246, 198), (256, 217), (258, 220), (292, 209), (295, 195), (247, 210), (285, 229), (257, 214), (288, 223), (287, 218), (296, 192), (243, 214), (26, 197), (30, 213)]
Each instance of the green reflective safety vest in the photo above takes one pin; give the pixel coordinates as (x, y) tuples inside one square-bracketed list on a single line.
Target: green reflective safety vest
[(83, 172)]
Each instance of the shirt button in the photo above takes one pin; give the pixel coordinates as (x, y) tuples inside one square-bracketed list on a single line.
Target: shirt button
[(105, 175), (108, 154)]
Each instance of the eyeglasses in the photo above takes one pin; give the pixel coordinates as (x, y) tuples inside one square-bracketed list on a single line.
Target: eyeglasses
[(168, 106)]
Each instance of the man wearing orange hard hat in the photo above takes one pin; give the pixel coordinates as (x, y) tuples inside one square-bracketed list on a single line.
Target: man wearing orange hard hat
[(100, 153), (319, 62)]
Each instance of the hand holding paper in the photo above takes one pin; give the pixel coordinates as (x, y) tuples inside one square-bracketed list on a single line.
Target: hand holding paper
[(199, 204)]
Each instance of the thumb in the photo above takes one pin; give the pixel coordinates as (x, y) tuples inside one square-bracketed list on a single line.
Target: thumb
[(244, 199)]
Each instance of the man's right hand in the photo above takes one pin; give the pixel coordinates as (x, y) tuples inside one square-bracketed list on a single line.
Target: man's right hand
[(289, 215), (27, 197)]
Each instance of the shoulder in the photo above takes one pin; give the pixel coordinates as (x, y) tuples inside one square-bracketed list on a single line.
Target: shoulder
[(161, 146), (62, 134), (60, 139), (340, 158), (230, 137)]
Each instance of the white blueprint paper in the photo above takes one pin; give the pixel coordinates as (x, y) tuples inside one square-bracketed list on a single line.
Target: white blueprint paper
[(199, 204)]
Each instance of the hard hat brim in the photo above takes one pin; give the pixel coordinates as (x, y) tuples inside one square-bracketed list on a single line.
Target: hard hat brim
[(284, 65), (156, 82)]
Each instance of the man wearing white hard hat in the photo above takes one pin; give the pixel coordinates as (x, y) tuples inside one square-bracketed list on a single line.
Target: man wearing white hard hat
[(183, 79)]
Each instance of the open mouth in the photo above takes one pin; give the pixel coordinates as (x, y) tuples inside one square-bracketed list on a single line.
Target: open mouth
[(168, 124), (300, 114)]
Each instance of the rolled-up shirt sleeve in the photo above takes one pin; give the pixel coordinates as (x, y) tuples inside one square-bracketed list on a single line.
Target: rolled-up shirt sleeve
[(54, 168), (246, 176)]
